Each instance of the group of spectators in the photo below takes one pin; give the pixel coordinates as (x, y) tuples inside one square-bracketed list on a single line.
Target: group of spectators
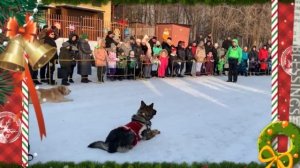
[(146, 58)]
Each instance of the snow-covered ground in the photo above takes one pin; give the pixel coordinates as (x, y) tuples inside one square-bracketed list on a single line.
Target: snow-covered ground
[(200, 119)]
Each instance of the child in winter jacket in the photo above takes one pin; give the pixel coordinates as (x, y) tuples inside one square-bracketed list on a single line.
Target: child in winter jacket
[(173, 62), (243, 67), (100, 55), (112, 61), (155, 63), (132, 64), (209, 64), (163, 59), (221, 64), (121, 65)]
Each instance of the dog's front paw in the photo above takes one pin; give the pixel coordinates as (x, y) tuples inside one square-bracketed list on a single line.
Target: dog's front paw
[(155, 132)]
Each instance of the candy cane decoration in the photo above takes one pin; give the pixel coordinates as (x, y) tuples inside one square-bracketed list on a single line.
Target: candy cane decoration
[(274, 54), (25, 119)]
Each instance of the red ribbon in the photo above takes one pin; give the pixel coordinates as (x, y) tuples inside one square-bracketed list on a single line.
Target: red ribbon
[(28, 31), (35, 102)]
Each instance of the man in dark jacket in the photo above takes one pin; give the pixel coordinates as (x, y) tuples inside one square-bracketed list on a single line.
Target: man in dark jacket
[(253, 61), (152, 41), (64, 56), (227, 43), (181, 56), (216, 58), (109, 39), (167, 45), (189, 57)]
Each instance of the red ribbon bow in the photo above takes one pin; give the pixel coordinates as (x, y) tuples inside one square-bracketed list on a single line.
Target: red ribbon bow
[(28, 31)]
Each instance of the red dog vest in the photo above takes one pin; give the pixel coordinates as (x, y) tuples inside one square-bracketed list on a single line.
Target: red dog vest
[(137, 128)]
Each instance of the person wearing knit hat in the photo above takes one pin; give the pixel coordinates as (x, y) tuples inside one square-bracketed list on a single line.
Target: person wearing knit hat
[(234, 58)]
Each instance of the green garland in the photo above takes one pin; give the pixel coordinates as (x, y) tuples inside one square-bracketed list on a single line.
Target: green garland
[(138, 165), (6, 86), (186, 2)]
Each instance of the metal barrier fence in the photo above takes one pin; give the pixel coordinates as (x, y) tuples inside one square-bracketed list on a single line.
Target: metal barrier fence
[(126, 73)]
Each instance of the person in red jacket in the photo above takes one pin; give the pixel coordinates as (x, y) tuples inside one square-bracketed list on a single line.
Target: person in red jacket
[(263, 57)]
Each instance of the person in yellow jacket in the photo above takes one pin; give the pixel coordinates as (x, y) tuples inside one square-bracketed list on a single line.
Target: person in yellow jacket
[(234, 58)]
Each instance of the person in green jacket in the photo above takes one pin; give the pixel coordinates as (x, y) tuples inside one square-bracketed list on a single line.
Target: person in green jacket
[(234, 58), (156, 48)]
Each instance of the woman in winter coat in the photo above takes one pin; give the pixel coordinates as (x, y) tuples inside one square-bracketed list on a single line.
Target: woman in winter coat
[(64, 60), (263, 57), (109, 39), (100, 56), (253, 61), (73, 41), (189, 56), (200, 57), (85, 64), (163, 58), (49, 67)]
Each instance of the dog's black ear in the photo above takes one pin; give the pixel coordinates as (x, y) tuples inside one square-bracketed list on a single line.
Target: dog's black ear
[(143, 104), (151, 105)]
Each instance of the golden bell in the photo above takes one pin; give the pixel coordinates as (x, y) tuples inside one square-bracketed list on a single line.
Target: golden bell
[(12, 58), (39, 54)]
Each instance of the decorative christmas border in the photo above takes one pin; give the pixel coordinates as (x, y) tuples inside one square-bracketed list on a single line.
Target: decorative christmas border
[(274, 58), (25, 123), (274, 53), (274, 88)]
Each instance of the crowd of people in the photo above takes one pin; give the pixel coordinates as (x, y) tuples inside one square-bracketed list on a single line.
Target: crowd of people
[(146, 58)]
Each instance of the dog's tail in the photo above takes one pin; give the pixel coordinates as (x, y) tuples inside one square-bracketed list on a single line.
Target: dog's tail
[(99, 145)]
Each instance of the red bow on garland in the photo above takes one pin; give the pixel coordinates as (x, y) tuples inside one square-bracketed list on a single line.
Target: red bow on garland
[(28, 31)]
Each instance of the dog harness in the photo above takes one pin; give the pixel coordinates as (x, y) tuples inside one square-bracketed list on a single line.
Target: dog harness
[(137, 128)]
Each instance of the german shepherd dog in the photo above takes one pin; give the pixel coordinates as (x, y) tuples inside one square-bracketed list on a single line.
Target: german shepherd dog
[(124, 138)]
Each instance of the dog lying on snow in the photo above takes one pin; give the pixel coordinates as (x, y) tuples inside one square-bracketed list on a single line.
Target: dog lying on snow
[(126, 137), (56, 94)]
